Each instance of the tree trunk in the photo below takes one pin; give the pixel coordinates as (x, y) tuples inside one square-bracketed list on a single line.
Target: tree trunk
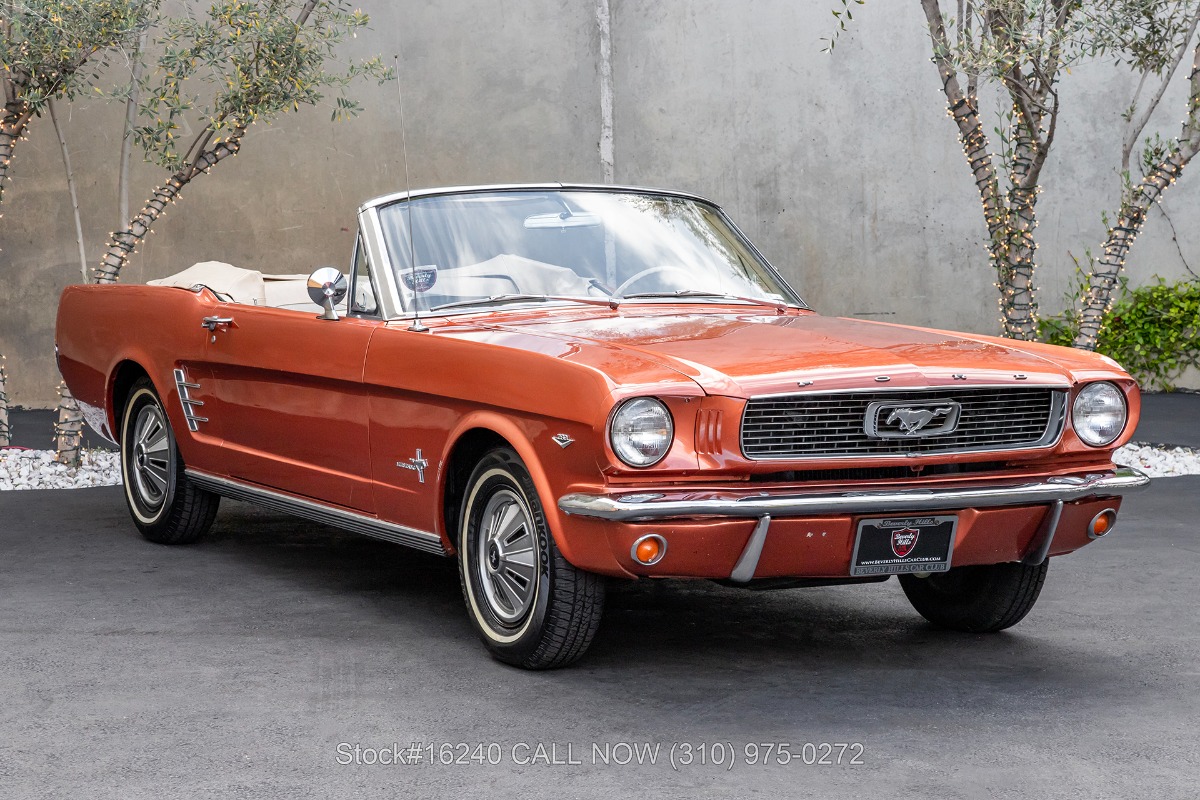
[(69, 428), (71, 190), (5, 430), (1016, 266), (1015, 255), (131, 108), (68, 431), (964, 110), (124, 243), (1010, 239), (11, 129), (1135, 202), (9, 135), (1102, 278)]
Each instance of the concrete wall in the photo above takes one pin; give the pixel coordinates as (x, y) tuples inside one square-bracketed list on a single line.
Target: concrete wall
[(842, 167)]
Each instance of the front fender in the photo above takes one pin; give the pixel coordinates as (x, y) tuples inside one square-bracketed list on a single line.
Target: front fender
[(552, 468)]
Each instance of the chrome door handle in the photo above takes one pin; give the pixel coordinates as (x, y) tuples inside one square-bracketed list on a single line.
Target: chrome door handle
[(212, 323)]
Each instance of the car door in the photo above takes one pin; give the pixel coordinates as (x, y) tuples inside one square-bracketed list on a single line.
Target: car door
[(286, 396)]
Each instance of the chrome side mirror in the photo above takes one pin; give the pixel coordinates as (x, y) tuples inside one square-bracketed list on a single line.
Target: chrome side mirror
[(327, 287)]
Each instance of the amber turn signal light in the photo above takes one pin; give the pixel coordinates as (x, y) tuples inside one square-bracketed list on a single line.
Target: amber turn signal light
[(1102, 523), (649, 549)]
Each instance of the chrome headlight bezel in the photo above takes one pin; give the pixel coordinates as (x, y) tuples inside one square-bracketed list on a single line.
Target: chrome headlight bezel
[(1093, 404), (637, 417)]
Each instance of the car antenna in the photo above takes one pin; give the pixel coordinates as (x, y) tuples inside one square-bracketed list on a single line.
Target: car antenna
[(412, 234)]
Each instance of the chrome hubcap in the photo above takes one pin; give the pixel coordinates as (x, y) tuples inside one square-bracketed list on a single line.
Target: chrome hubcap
[(507, 556), (151, 455)]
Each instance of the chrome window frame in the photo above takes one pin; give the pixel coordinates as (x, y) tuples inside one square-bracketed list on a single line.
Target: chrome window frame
[(350, 295)]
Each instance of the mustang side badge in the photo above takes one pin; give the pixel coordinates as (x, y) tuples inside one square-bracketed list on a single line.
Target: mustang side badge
[(904, 540), (417, 464)]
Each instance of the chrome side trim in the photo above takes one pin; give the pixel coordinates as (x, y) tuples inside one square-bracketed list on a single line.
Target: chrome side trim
[(652, 505), (318, 512), (185, 400)]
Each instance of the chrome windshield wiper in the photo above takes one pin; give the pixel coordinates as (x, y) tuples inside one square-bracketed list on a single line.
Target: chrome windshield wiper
[(499, 299), (778, 305)]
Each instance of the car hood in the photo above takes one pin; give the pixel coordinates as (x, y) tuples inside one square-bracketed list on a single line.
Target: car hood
[(744, 354)]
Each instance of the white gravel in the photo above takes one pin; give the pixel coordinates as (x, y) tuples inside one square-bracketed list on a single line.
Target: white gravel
[(37, 469), (1159, 462)]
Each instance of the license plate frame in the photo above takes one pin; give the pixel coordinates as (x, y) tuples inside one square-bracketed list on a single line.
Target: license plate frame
[(882, 545)]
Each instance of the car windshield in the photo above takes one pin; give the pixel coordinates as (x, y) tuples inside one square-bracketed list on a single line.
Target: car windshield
[(478, 249)]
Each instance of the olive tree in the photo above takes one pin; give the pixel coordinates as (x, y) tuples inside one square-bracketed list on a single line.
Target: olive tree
[(52, 50), (244, 63), (1159, 48), (1022, 48)]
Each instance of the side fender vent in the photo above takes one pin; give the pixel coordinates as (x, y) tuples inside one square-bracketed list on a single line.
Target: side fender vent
[(708, 432), (185, 400)]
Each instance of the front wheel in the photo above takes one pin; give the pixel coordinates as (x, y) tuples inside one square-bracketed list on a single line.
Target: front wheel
[(530, 606), (977, 599), (166, 507)]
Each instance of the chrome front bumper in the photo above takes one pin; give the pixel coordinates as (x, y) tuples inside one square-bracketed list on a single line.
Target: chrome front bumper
[(644, 506)]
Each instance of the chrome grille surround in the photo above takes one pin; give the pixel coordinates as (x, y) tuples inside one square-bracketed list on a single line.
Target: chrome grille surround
[(831, 424)]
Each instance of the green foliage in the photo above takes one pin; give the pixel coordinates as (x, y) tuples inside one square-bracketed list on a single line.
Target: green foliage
[(842, 16), (246, 61), (1140, 34), (991, 37), (53, 49), (1152, 331)]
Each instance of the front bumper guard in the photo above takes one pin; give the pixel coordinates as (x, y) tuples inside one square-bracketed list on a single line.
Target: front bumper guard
[(1051, 492), (648, 506)]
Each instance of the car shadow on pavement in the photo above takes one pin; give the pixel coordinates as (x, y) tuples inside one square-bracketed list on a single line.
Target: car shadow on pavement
[(695, 648)]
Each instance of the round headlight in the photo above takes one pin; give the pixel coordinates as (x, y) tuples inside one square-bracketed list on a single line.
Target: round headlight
[(1099, 413), (641, 431)]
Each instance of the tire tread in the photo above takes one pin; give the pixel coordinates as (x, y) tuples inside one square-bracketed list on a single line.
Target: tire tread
[(1000, 596), (191, 510), (576, 601)]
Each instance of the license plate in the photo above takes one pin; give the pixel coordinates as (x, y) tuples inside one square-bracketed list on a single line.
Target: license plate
[(898, 545)]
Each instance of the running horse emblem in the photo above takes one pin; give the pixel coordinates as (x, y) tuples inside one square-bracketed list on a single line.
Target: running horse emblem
[(914, 419)]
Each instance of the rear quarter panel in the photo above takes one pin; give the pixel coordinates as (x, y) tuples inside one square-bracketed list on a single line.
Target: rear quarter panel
[(156, 328)]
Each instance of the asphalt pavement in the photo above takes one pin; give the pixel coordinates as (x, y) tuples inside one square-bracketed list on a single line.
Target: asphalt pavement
[(252, 664), (1170, 418)]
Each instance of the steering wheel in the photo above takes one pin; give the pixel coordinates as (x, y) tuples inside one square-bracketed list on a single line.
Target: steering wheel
[(620, 290)]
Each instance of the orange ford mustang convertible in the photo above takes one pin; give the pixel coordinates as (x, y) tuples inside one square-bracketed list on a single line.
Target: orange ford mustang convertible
[(559, 385)]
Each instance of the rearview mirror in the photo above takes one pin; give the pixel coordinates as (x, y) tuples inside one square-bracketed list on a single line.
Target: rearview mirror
[(563, 220), (327, 286)]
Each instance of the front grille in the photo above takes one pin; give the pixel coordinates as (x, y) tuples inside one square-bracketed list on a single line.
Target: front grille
[(833, 425)]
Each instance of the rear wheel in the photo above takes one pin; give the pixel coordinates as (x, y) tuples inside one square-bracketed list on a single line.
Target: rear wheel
[(166, 507), (530, 606), (978, 599)]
